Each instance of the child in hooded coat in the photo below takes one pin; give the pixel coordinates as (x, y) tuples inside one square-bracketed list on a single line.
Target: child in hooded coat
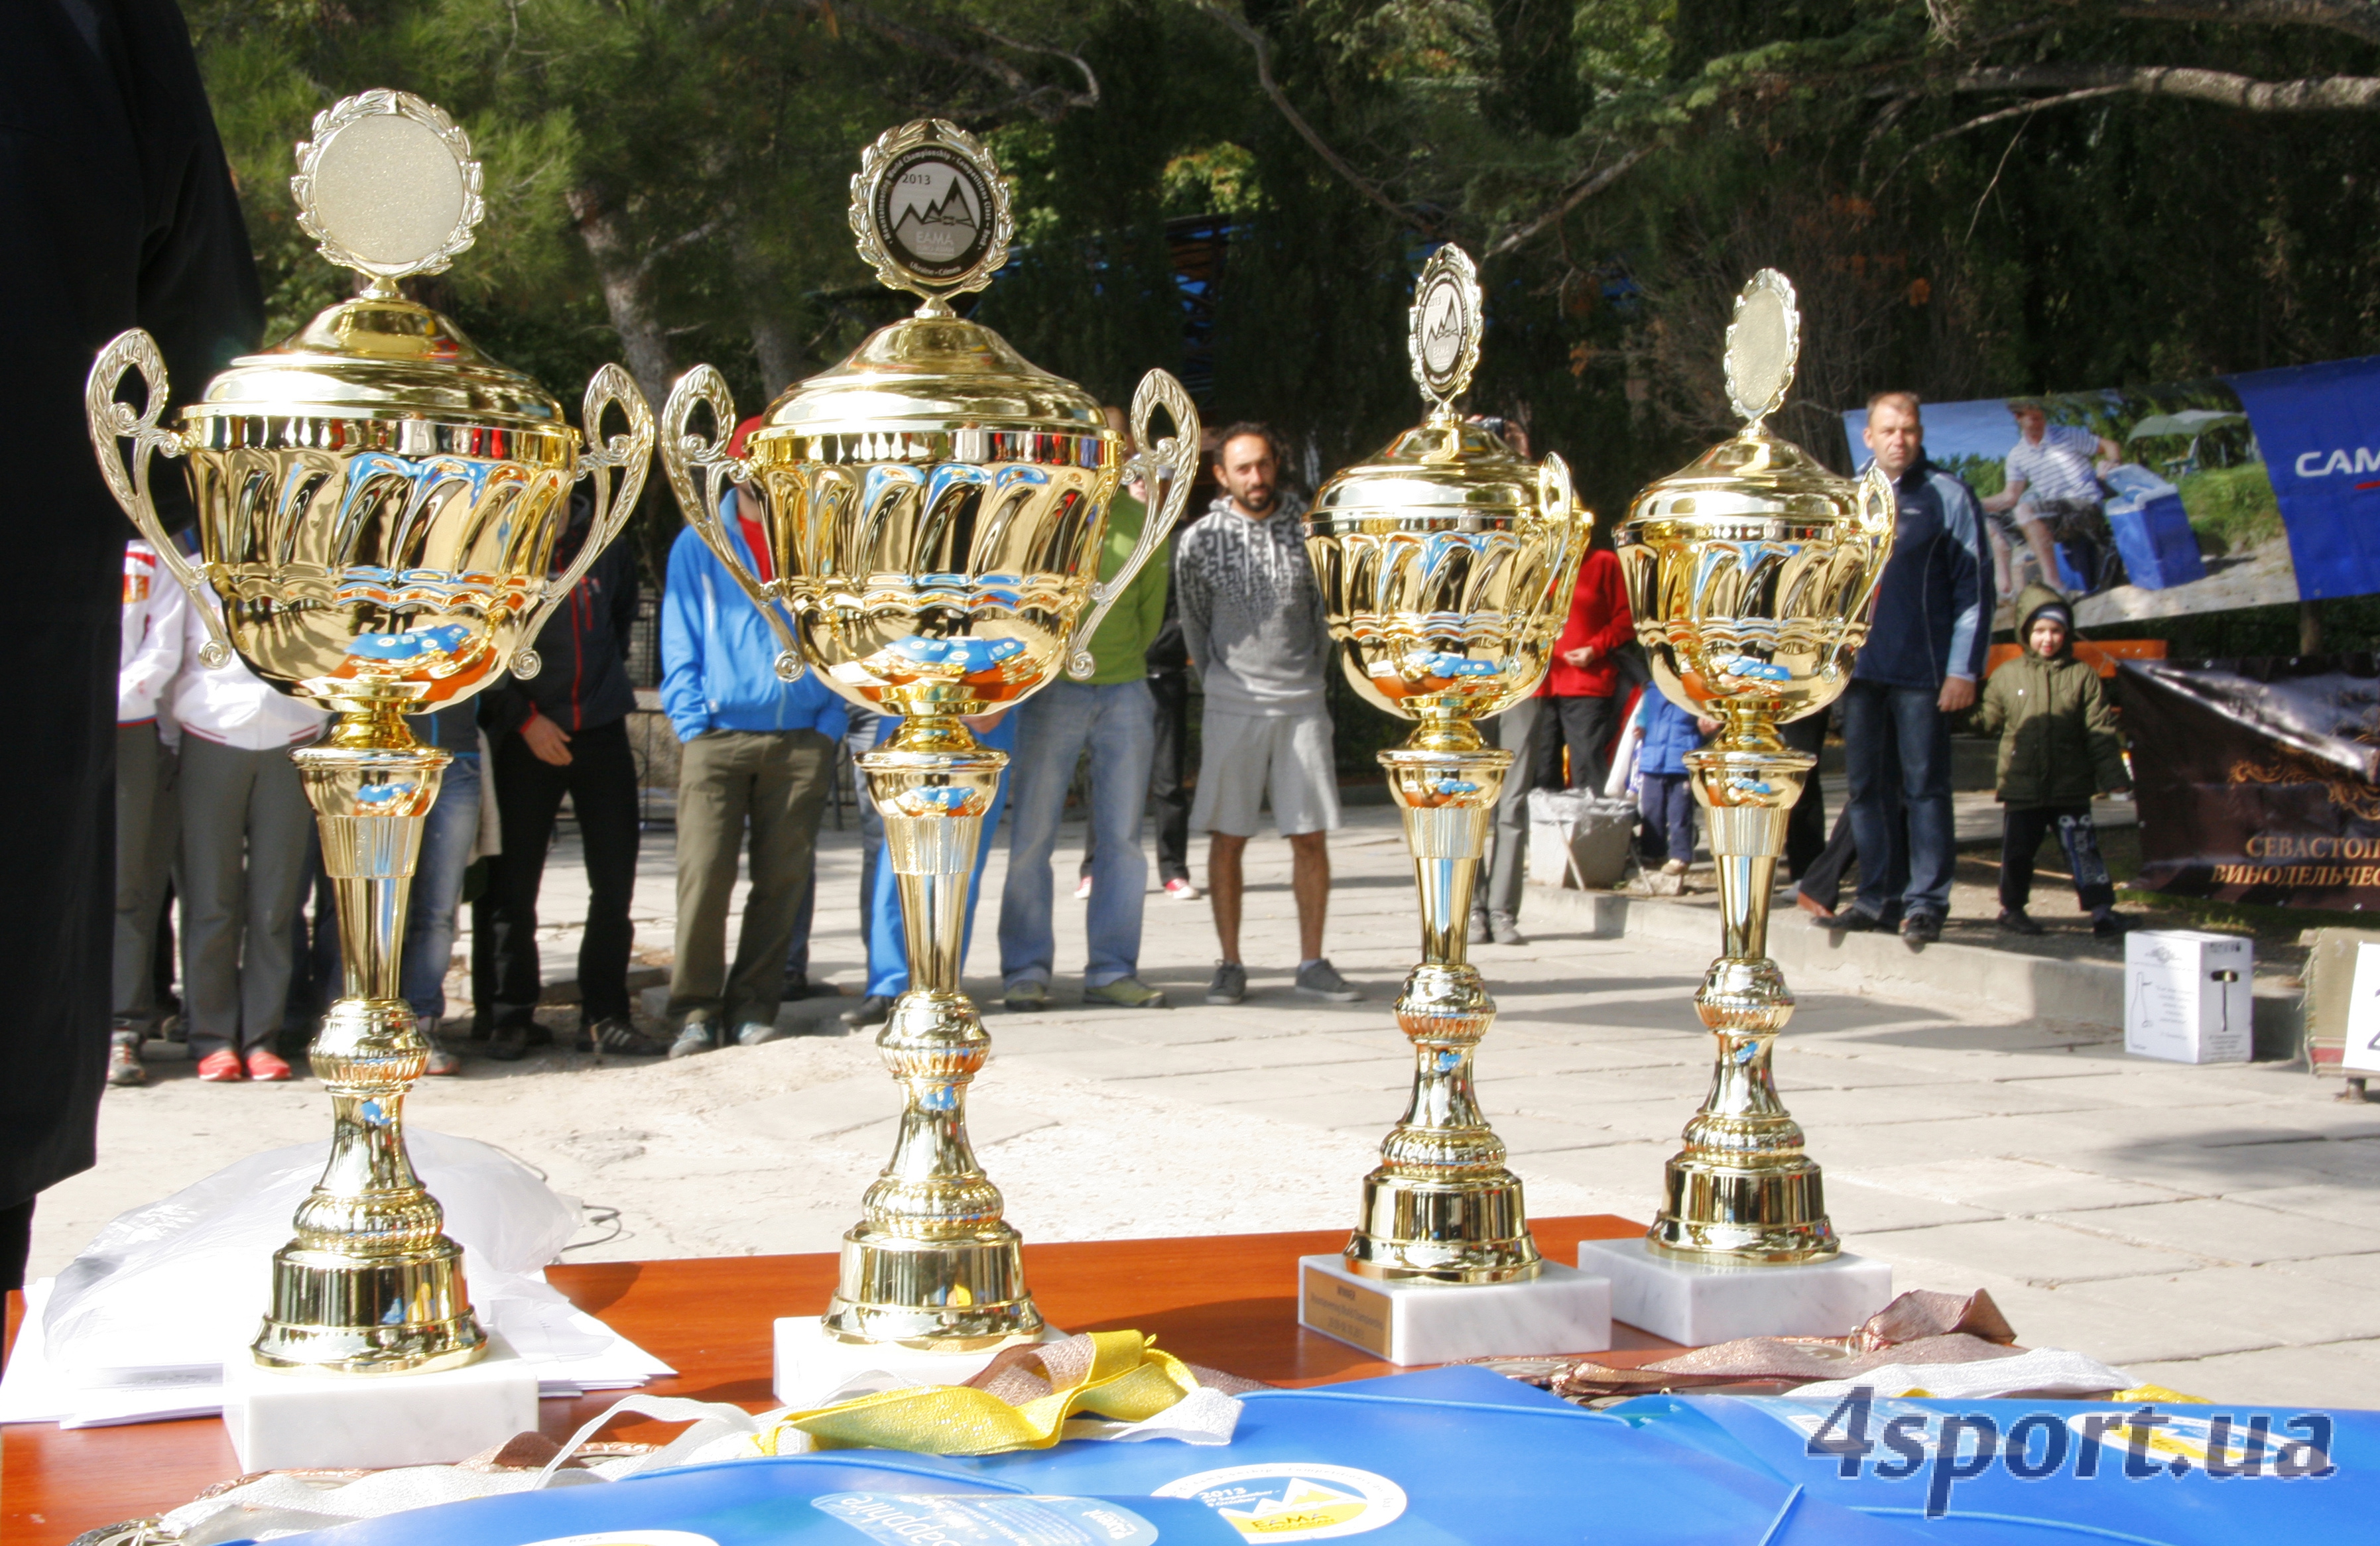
[(2058, 747)]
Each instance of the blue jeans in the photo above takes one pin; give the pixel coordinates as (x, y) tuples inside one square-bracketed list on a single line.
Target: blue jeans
[(888, 948), (1667, 802), (1878, 723), (1117, 723), (447, 834)]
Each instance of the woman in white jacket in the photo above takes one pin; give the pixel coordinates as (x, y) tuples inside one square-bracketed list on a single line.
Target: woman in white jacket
[(244, 825)]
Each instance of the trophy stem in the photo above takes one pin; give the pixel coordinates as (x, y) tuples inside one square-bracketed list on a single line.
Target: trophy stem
[(933, 1264), (372, 1284), (1741, 1189), (1442, 1207)]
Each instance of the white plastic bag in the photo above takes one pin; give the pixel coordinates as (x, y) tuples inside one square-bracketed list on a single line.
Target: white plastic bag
[(172, 1288)]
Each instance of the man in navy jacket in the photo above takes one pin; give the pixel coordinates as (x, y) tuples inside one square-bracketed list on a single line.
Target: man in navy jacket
[(757, 759), (1924, 655)]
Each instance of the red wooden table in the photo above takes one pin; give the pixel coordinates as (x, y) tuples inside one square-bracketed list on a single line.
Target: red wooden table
[(1228, 1301)]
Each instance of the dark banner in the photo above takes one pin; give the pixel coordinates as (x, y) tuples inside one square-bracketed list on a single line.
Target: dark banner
[(2258, 780)]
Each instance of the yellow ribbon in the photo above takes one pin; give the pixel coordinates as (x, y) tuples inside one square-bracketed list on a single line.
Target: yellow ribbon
[(1129, 1381)]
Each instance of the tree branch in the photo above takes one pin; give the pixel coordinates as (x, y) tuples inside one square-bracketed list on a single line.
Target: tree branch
[(2329, 93), (2357, 18), (1087, 97), (1586, 187), (683, 239), (2022, 110), (1263, 47)]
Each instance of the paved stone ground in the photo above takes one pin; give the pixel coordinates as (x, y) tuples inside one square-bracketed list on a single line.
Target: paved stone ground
[(2215, 1229)]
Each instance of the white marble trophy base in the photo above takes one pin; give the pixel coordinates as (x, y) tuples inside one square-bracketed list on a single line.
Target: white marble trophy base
[(304, 1419), (1698, 1303), (1559, 1311), (811, 1366)]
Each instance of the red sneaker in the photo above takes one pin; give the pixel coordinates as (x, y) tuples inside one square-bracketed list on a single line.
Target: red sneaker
[(221, 1066), (263, 1064)]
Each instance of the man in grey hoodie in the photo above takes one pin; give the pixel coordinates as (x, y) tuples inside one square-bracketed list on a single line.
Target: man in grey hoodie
[(1252, 620)]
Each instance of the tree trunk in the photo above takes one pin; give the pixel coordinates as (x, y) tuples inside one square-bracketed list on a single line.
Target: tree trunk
[(628, 292), (2308, 627), (782, 359)]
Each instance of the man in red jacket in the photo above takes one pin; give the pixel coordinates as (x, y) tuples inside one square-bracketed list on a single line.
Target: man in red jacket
[(1584, 681)]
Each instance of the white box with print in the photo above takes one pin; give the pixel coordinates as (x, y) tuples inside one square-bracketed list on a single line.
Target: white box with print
[(2189, 995)]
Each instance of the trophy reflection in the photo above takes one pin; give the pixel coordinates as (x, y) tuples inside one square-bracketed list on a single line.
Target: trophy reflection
[(378, 504), (1445, 565), (934, 509)]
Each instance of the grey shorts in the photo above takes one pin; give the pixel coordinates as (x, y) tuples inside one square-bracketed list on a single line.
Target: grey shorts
[(1247, 756)]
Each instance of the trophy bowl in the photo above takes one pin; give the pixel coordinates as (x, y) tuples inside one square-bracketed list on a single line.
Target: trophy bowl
[(1444, 564)]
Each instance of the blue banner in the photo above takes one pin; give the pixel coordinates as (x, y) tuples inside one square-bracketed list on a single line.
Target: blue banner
[(2318, 428)]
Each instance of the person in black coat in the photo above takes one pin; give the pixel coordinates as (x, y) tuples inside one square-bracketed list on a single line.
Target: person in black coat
[(116, 210)]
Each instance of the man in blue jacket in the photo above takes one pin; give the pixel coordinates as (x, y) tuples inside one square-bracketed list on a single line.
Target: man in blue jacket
[(757, 759), (1924, 655)]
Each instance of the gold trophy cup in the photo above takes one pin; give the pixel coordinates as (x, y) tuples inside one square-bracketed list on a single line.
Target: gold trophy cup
[(1752, 575), (934, 507), (378, 504), (1445, 564)]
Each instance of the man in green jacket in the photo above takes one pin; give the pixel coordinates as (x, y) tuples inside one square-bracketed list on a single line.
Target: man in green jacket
[(1112, 716), (2058, 747)]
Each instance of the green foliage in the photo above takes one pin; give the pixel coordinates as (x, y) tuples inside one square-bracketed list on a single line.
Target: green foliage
[(2234, 505)]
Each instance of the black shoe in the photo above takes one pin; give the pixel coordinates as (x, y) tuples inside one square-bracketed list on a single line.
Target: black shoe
[(1854, 920), (2017, 921), (507, 1042), (797, 988), (618, 1034), (2109, 925), (1920, 928), (874, 1009)]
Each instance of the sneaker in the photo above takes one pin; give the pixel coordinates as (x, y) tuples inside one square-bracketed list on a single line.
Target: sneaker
[(2017, 921), (696, 1036), (124, 1069), (1478, 928), (1126, 993), (874, 1009), (618, 1034), (1231, 984), (1820, 913), (266, 1066), (1920, 928), (1321, 980), (1181, 889), (507, 1044), (756, 1033), (1082, 887), (2109, 924), (1025, 995), (1856, 920), (442, 1062), (221, 1066), (1504, 929)]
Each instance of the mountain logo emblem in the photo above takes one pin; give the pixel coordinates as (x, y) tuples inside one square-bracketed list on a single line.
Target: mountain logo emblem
[(933, 213), (1288, 1502), (1443, 330)]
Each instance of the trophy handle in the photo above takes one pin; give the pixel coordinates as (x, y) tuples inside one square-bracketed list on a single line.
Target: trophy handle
[(1556, 502), (630, 455), (1177, 456), (112, 421), (696, 467), (1876, 511)]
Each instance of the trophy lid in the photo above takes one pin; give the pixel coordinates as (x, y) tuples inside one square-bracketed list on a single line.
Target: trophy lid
[(386, 186), (1444, 464), (933, 217), (1754, 472)]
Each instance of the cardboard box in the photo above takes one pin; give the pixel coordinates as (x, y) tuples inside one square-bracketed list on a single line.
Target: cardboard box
[(2189, 997)]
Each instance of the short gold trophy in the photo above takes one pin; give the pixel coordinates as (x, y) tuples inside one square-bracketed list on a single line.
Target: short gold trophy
[(1752, 575), (935, 507), (378, 504), (1446, 564)]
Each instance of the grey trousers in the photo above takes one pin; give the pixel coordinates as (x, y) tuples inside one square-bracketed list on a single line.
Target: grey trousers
[(147, 829), (244, 825), (1519, 729), (772, 784)]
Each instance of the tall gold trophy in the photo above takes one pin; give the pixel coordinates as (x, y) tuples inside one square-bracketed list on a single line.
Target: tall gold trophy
[(1752, 575), (378, 505), (935, 507), (1446, 564)]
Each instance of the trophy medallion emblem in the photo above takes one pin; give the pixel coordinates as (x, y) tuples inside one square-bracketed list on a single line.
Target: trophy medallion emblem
[(1752, 575), (378, 507), (935, 507), (1446, 563)]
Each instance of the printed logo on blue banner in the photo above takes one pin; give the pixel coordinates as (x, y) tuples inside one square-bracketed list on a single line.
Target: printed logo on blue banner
[(948, 1519), (630, 1537), (1290, 1502)]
